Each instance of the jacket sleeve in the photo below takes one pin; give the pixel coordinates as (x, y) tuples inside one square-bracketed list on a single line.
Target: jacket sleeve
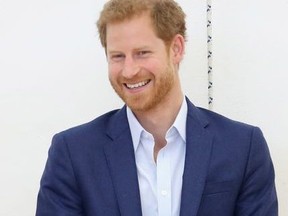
[(58, 194), (258, 194)]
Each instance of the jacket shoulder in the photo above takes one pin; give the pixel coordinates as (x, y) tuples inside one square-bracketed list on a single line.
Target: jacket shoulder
[(95, 129), (217, 120)]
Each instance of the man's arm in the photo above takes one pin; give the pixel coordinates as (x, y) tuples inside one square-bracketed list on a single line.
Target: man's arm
[(58, 193), (258, 195)]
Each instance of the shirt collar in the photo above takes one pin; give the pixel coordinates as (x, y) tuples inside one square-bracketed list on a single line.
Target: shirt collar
[(136, 128), (180, 121)]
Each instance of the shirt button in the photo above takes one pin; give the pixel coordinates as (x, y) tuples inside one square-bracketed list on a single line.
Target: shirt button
[(164, 193)]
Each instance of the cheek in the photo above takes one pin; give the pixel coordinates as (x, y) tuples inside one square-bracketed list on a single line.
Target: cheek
[(113, 70), (155, 66)]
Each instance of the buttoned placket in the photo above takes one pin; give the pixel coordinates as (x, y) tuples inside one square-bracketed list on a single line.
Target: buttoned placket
[(163, 183), (157, 176)]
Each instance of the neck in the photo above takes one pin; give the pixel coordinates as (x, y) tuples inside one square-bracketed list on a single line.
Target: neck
[(158, 120)]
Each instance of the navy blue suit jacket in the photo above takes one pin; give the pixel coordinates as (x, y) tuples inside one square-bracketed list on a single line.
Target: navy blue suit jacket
[(91, 170)]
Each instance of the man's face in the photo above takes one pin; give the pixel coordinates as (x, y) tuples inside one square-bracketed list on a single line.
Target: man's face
[(140, 68)]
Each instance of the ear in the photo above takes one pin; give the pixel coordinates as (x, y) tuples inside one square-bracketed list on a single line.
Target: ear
[(177, 48)]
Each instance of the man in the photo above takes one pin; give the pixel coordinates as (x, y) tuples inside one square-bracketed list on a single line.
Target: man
[(159, 154)]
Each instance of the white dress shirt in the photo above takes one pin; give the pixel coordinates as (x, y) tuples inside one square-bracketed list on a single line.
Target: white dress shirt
[(160, 183)]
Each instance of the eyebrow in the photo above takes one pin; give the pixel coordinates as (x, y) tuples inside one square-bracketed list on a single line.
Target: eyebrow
[(134, 50), (142, 48), (113, 52)]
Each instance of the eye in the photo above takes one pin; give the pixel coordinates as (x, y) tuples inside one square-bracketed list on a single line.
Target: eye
[(117, 57), (143, 53)]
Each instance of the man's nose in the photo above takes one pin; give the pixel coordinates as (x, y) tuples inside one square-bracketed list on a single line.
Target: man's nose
[(131, 68)]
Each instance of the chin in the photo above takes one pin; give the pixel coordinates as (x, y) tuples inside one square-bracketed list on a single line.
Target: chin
[(142, 106), (137, 106)]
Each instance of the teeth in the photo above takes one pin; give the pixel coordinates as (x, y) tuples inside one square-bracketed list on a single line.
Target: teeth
[(137, 85)]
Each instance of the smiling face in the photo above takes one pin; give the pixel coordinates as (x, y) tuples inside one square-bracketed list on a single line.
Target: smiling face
[(141, 69)]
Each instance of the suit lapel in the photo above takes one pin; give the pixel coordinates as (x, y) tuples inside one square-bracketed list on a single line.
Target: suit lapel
[(121, 161), (198, 151)]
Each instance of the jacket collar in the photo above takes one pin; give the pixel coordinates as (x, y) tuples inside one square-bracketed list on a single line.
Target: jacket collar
[(121, 162), (198, 151)]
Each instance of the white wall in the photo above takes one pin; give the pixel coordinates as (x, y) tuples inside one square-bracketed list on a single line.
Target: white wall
[(250, 73), (53, 76)]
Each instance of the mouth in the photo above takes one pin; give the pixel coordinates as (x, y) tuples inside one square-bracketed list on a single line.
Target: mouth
[(137, 85)]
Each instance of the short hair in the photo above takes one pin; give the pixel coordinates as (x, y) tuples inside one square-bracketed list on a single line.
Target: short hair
[(167, 17)]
